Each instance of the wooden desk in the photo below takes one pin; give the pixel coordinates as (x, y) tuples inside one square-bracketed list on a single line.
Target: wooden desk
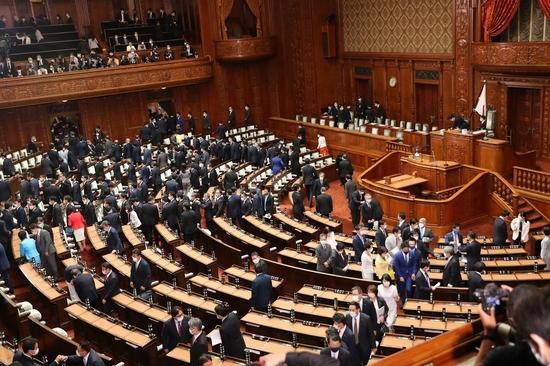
[(196, 303), (245, 242), (137, 311), (323, 221), (132, 237), (16, 245), (195, 261), (282, 327), (427, 326), (392, 343), (501, 252), (55, 296), (237, 298), (439, 176), (326, 295), (305, 310), (278, 238), (294, 258), (181, 356), (228, 254), (246, 278), (168, 239), (96, 240), (133, 345), (18, 325), (62, 251), (405, 181), (302, 231), (436, 309), (162, 268), (6, 354)]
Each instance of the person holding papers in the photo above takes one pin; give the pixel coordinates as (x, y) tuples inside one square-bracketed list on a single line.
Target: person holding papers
[(423, 287), (381, 311)]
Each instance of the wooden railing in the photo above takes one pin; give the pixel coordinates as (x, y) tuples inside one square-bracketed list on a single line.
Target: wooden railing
[(532, 180), (506, 193), (446, 193), (397, 146)]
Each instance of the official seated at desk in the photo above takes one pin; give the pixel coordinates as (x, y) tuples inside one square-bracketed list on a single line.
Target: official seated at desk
[(458, 122)]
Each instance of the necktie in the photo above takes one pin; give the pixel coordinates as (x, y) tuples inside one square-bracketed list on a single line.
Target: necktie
[(427, 278), (179, 327), (38, 237), (356, 330), (193, 341)]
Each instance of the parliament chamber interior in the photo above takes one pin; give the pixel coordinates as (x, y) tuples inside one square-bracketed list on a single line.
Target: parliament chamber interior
[(262, 169)]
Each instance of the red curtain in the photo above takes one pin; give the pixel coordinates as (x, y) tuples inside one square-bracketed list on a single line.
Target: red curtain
[(545, 6), (497, 14), (225, 9)]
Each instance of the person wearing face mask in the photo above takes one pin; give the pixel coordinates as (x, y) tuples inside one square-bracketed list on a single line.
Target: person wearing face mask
[(261, 289), (426, 234), (175, 330), (339, 260), (85, 354), (363, 332), (451, 272), (381, 311), (371, 211), (112, 288), (367, 267), (404, 265), (140, 275), (199, 344), (85, 287), (258, 261), (113, 239), (365, 305), (520, 229), (347, 339), (69, 280), (381, 234), (230, 332), (454, 238), (335, 351), (389, 293), (30, 350)]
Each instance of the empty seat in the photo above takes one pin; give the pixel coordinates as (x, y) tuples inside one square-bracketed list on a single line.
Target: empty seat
[(341, 124), (351, 126), (393, 122), (374, 131), (361, 121), (304, 119), (313, 120), (399, 135), (331, 123), (417, 126), (409, 126), (356, 120), (402, 124), (298, 117), (363, 128), (387, 122), (425, 127), (379, 120), (387, 132), (322, 121), (357, 127), (15, 155), (25, 165)]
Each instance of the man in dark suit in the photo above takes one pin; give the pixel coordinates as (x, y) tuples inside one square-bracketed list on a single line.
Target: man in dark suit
[(44, 244), (323, 253), (7, 166), (334, 350), (473, 251), (199, 344), (86, 355), (230, 178), (112, 288), (150, 217), (220, 131), (218, 204), (170, 212), (29, 350), (347, 338), (366, 305), (451, 272), (344, 168), (114, 243), (85, 288), (324, 203), (295, 166), (4, 262), (475, 281), (88, 211), (339, 260), (426, 234), (500, 229), (371, 211), (267, 202), (309, 174), (47, 166), (298, 208), (261, 290), (5, 190), (358, 243), (234, 207), (189, 223), (230, 332), (381, 234), (231, 121), (257, 261), (140, 275), (363, 331), (423, 286), (56, 212), (211, 177), (175, 330), (354, 204), (405, 271), (454, 238)]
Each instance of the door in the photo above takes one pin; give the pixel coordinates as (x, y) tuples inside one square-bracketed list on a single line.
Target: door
[(363, 87), (524, 118), (427, 104)]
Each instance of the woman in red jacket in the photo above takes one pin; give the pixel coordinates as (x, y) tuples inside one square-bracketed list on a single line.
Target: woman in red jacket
[(77, 222)]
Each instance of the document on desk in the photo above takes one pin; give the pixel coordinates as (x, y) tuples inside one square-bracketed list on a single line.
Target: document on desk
[(215, 337)]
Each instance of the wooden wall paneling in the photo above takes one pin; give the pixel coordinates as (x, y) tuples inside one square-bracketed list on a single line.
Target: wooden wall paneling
[(98, 13), (379, 83), (462, 40), (405, 84), (83, 15), (11, 140), (23, 7), (61, 7), (93, 112), (7, 9), (33, 121), (447, 87), (392, 105)]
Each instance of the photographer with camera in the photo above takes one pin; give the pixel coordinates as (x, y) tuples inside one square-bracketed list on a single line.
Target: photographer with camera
[(507, 343)]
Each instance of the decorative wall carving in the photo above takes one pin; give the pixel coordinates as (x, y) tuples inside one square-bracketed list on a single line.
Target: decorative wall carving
[(363, 71), (495, 56), (34, 90), (427, 75), (457, 153), (245, 49), (405, 26), (462, 70)]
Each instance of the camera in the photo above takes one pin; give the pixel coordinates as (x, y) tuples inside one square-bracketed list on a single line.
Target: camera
[(493, 296)]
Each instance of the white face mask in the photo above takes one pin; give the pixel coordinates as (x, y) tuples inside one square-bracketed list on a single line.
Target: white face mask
[(104, 272), (355, 298), (191, 331), (180, 319), (386, 284), (421, 225), (36, 351), (255, 261), (134, 259), (353, 314)]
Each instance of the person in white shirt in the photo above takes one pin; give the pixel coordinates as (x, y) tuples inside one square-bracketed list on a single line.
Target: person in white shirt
[(520, 229), (322, 144), (24, 38), (394, 241), (130, 48), (367, 268)]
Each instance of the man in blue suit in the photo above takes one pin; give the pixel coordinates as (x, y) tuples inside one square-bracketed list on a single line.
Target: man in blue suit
[(261, 290), (405, 271), (359, 244), (112, 288), (454, 238), (140, 275)]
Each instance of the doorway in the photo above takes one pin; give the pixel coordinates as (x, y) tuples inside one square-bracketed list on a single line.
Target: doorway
[(363, 87), (524, 116), (427, 96)]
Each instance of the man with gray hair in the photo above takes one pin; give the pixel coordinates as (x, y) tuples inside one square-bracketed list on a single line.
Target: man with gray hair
[(451, 273), (199, 344), (323, 252)]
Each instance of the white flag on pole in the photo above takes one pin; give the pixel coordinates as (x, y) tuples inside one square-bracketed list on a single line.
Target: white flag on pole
[(481, 107)]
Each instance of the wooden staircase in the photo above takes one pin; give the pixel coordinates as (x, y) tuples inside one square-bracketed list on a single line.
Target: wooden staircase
[(536, 220)]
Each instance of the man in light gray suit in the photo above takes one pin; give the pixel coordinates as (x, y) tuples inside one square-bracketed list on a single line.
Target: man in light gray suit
[(323, 252), (44, 244)]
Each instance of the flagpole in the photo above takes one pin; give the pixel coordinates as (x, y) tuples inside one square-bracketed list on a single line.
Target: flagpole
[(479, 95)]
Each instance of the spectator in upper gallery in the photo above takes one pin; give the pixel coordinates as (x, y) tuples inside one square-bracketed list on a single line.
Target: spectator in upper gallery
[(3, 21), (69, 18)]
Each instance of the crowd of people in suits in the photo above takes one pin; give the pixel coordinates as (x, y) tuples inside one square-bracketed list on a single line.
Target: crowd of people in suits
[(341, 113)]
